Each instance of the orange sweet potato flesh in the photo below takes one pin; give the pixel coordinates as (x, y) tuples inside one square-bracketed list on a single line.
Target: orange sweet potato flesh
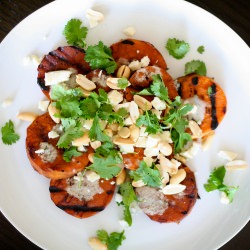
[(132, 160), (37, 132), (179, 206), (208, 91), (62, 58), (81, 208), (128, 50)]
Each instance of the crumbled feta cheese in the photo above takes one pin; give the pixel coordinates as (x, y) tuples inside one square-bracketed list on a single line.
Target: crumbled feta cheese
[(7, 102), (145, 61), (192, 151), (142, 131), (92, 176), (118, 198), (224, 199), (55, 77), (124, 224), (135, 65), (53, 134), (159, 104), (199, 111), (81, 148), (127, 148), (94, 17), (43, 105), (152, 140), (129, 31)]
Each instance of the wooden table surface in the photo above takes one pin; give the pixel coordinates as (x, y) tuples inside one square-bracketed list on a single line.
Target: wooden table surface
[(235, 14)]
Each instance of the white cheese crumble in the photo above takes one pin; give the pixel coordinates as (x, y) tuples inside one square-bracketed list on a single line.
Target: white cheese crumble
[(129, 31), (199, 109), (55, 77), (94, 17)]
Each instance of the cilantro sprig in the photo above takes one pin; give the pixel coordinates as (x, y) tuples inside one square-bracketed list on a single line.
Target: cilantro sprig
[(150, 175), (196, 66), (157, 88), (9, 136), (201, 49), (215, 182), (100, 57), (128, 196), (75, 33), (107, 161), (112, 240), (151, 122), (177, 48), (178, 123)]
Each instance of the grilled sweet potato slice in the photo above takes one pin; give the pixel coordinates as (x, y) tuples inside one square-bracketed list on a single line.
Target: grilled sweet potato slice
[(209, 92), (61, 59), (128, 50), (178, 206), (54, 167), (78, 206), (132, 160)]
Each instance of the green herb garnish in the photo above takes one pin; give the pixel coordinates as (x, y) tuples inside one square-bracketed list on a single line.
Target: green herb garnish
[(75, 33), (100, 57), (113, 241), (128, 196), (9, 136), (201, 49), (178, 123), (177, 48), (122, 83), (150, 175), (195, 66), (215, 182)]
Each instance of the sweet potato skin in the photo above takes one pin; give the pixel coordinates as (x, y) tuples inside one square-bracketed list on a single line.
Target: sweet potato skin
[(208, 91), (128, 50), (37, 132), (62, 58), (81, 208)]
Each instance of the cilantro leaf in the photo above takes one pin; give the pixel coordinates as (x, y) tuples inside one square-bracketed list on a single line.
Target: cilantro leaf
[(176, 118), (122, 83), (215, 182), (106, 166), (195, 66), (150, 176), (113, 241), (69, 153), (100, 57), (177, 48), (157, 88), (149, 120), (70, 134), (201, 49), (92, 108), (128, 196), (74, 33), (9, 136), (95, 132)]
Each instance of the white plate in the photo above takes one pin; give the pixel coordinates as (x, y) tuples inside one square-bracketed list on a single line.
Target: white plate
[(24, 193)]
